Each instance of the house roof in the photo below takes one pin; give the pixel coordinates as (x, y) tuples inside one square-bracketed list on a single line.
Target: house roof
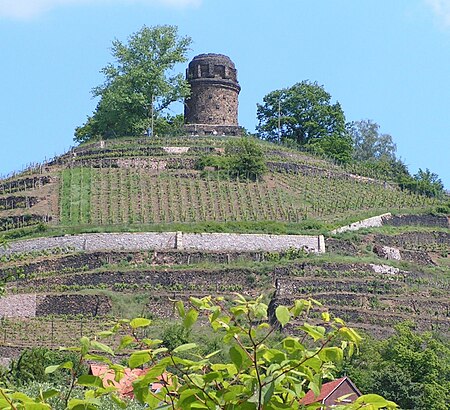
[(325, 391), (125, 384)]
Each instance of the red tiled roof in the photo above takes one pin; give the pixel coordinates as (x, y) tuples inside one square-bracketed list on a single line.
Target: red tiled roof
[(325, 391), (125, 384)]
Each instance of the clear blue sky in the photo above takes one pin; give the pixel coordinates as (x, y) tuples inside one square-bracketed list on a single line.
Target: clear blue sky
[(385, 60)]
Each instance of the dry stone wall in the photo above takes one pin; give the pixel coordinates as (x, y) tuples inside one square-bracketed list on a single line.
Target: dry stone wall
[(397, 220), (18, 306), (417, 220), (375, 221), (32, 305), (211, 242)]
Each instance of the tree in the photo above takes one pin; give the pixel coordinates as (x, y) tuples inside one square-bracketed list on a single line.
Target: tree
[(369, 144), (304, 114), (262, 372), (428, 183), (140, 80), (410, 368), (423, 183)]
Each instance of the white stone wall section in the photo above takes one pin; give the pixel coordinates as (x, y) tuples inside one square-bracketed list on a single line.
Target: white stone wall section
[(375, 221), (18, 306), (208, 242), (224, 242)]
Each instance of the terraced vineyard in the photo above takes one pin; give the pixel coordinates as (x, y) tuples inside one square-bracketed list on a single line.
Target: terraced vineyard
[(372, 296), (139, 184)]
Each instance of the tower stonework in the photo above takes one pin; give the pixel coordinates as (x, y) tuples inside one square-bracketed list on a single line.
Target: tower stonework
[(212, 107)]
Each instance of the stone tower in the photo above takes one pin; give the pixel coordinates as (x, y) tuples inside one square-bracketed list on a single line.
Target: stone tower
[(212, 107)]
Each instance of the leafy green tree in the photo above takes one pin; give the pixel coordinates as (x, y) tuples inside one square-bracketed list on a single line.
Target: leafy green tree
[(428, 183), (337, 147), (305, 115), (410, 368), (140, 79), (423, 183), (369, 144), (257, 375)]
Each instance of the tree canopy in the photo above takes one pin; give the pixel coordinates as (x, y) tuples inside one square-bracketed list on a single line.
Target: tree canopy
[(305, 115), (140, 79), (425, 183), (369, 143), (410, 368)]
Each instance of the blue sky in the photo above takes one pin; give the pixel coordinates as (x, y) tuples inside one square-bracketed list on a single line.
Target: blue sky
[(383, 60)]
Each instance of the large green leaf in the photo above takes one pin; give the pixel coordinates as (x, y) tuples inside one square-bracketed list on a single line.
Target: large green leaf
[(283, 315), (237, 356), (316, 332), (140, 322), (180, 308), (89, 380), (332, 354), (138, 359), (190, 318), (52, 369), (185, 347), (375, 400), (102, 347)]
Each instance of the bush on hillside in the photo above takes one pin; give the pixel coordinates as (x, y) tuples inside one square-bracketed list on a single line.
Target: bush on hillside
[(243, 159)]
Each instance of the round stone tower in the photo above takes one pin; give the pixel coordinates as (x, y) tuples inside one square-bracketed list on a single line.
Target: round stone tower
[(212, 107)]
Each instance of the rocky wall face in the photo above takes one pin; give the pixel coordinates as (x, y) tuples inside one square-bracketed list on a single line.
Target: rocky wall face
[(211, 242), (92, 260), (96, 242), (417, 220), (212, 104), (18, 306), (150, 280), (32, 305), (86, 305), (414, 240)]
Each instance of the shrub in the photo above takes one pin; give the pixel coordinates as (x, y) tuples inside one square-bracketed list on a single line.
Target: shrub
[(259, 373)]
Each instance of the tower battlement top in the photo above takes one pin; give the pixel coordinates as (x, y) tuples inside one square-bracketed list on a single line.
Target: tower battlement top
[(212, 67)]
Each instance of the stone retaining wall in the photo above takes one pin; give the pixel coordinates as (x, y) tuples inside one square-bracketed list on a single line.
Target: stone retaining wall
[(418, 220), (216, 242), (375, 221), (397, 220), (211, 242), (18, 306), (32, 305)]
